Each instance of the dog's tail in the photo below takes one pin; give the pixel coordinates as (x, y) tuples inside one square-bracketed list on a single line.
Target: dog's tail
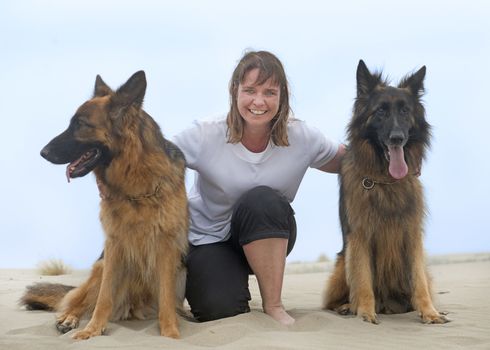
[(44, 296)]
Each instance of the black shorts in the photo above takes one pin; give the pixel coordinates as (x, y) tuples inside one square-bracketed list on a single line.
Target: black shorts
[(217, 273)]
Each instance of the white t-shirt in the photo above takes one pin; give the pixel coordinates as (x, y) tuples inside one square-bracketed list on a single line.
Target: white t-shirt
[(225, 171)]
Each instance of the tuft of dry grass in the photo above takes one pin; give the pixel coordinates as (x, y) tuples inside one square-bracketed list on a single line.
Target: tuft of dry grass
[(323, 258), (53, 267)]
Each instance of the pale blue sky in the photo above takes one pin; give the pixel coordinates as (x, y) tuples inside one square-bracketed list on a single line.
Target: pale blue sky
[(51, 51)]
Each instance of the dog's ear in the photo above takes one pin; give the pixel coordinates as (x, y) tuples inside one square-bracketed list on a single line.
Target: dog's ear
[(415, 82), (366, 82), (133, 91), (101, 88)]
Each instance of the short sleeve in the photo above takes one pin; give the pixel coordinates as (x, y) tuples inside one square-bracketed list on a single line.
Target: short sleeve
[(321, 149), (190, 143)]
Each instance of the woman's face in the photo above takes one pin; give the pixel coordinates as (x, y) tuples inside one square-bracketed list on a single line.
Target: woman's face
[(257, 104)]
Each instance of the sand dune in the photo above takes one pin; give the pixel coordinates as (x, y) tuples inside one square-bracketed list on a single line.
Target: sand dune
[(461, 286)]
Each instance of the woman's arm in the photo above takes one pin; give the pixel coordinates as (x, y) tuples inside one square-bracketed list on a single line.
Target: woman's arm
[(333, 166)]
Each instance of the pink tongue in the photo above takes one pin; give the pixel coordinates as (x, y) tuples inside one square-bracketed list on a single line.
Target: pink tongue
[(398, 168)]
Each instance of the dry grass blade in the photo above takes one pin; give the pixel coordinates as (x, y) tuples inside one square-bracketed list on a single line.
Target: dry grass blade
[(53, 267)]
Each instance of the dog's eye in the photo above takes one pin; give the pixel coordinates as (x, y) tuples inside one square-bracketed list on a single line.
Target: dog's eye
[(79, 123), (380, 112), (404, 110), (76, 123)]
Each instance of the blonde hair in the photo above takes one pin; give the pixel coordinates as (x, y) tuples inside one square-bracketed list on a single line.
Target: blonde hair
[(269, 67)]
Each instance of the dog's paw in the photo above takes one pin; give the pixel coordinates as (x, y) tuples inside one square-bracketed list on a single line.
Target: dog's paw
[(170, 331), (66, 323), (87, 333), (367, 316), (370, 318), (344, 310), (435, 318)]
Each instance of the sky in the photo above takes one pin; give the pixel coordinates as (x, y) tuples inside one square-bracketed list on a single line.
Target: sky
[(51, 52)]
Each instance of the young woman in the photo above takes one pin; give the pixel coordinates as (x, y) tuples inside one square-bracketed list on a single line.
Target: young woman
[(249, 167)]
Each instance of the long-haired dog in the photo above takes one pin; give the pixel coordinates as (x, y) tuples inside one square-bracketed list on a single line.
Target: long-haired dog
[(381, 267), (144, 213)]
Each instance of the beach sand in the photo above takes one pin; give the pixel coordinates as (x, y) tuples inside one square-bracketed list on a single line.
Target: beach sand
[(461, 288)]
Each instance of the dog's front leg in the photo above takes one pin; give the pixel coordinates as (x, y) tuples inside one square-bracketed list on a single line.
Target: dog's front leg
[(80, 300), (422, 298), (103, 307), (167, 314), (359, 278)]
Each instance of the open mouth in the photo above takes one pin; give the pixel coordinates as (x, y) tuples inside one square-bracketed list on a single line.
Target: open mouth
[(83, 165), (398, 168), (257, 112)]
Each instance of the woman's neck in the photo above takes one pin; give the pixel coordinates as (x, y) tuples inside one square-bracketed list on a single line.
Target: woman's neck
[(256, 140)]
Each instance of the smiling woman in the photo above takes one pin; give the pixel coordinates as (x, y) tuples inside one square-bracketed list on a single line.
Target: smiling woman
[(259, 87), (254, 99), (258, 105), (249, 168)]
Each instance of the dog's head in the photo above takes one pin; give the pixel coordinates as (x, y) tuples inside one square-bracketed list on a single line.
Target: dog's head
[(391, 118), (88, 141)]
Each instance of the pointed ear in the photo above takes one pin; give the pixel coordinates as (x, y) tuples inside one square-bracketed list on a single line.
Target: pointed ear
[(133, 91), (415, 82), (101, 88), (366, 82)]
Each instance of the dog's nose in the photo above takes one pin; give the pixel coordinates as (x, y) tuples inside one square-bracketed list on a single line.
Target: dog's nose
[(396, 138), (45, 152)]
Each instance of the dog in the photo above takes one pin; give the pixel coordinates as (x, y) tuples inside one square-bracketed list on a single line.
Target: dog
[(143, 212), (381, 268)]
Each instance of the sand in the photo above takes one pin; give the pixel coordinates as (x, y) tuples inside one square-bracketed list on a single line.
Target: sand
[(461, 288)]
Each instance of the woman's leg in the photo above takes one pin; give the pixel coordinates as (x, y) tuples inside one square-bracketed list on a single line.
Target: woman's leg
[(267, 258), (263, 224), (217, 282)]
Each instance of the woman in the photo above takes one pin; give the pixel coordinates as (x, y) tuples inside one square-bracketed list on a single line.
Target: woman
[(249, 167)]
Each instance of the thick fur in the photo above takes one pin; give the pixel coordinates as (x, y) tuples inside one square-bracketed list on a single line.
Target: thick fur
[(381, 267), (144, 214)]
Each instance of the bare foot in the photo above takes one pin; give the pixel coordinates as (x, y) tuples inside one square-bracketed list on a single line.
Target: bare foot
[(279, 314)]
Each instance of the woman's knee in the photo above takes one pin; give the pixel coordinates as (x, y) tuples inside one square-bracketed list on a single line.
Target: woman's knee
[(262, 213), (265, 201)]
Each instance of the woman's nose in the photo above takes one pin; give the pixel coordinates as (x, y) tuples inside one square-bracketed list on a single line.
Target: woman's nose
[(259, 100)]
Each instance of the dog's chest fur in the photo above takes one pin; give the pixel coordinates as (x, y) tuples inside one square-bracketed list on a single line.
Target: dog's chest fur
[(389, 206), (136, 238)]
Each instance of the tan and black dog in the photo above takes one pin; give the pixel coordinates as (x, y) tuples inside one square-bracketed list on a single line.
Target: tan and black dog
[(381, 268), (144, 213)]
